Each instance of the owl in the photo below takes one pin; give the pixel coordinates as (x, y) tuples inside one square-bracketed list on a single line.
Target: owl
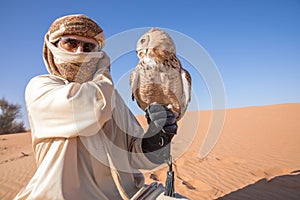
[(159, 76)]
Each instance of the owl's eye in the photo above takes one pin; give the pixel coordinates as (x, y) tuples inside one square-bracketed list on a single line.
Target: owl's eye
[(143, 40)]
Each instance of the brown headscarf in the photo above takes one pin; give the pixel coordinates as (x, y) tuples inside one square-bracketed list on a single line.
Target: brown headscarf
[(75, 67)]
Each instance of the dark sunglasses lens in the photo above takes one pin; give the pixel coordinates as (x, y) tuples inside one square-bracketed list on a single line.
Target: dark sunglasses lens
[(69, 43), (73, 43), (88, 47)]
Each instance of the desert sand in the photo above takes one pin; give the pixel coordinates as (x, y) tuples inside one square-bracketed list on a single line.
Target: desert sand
[(256, 157)]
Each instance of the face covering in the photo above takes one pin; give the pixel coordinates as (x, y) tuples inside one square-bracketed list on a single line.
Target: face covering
[(74, 67)]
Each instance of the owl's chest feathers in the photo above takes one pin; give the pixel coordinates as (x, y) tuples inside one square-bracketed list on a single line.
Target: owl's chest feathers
[(152, 71)]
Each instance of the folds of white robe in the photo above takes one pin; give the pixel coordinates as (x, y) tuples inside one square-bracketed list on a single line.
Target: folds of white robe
[(70, 124)]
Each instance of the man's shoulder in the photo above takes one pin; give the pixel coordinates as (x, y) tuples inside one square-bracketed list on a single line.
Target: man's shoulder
[(42, 84), (47, 78), (45, 81)]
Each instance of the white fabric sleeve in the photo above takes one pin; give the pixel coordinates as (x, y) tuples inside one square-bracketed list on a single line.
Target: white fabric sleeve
[(129, 127), (57, 108)]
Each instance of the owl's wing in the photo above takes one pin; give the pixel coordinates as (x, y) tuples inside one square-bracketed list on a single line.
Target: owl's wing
[(186, 85), (134, 78)]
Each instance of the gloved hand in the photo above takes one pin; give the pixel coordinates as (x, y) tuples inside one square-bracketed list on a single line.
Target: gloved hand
[(162, 127)]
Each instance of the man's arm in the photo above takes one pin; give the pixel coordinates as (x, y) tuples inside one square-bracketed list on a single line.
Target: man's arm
[(60, 109)]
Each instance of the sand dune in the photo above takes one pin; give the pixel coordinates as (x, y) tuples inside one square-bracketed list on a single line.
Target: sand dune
[(256, 157), (17, 164)]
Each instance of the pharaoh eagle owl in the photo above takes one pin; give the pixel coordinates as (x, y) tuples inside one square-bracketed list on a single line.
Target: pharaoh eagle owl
[(159, 76)]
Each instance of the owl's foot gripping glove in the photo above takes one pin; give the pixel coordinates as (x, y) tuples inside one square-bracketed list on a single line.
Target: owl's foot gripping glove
[(162, 127)]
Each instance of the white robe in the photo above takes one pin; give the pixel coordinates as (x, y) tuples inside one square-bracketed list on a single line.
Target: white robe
[(76, 129)]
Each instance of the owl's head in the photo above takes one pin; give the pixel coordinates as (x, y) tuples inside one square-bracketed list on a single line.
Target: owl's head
[(157, 39)]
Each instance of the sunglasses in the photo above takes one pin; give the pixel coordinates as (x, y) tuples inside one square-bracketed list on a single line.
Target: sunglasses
[(71, 44)]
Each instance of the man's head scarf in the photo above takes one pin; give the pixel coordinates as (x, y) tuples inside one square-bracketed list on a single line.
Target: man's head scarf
[(74, 67)]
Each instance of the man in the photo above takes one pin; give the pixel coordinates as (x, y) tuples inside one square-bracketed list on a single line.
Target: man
[(87, 143)]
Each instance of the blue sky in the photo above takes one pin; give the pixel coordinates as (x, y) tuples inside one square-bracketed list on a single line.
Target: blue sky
[(255, 44)]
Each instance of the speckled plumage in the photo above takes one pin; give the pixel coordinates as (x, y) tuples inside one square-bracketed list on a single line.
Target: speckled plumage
[(159, 76)]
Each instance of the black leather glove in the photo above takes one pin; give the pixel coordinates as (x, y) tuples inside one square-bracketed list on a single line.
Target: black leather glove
[(162, 127)]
